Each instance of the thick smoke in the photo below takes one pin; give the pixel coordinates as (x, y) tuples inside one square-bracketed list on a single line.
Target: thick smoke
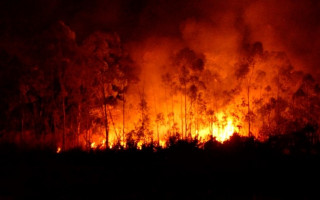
[(217, 26)]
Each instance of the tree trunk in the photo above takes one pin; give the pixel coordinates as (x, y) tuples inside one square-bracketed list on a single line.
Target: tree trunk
[(156, 112), (86, 134), (79, 125), (249, 115), (106, 117), (278, 108), (158, 133), (197, 118), (114, 127), (185, 109), (123, 120), (106, 125), (55, 128), (64, 125), (22, 126), (172, 111), (181, 116)]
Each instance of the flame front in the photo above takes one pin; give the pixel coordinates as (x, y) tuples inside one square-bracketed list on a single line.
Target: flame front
[(221, 130), (223, 133)]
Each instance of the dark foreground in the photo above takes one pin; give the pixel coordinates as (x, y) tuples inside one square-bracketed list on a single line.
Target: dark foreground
[(179, 172)]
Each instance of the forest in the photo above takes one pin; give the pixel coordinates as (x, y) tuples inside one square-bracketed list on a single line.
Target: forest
[(67, 95), (137, 99)]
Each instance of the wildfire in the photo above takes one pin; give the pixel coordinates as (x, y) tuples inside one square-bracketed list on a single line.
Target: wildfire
[(98, 143), (223, 133), (222, 129)]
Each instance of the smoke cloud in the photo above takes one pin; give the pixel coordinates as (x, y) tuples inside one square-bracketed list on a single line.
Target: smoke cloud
[(214, 27)]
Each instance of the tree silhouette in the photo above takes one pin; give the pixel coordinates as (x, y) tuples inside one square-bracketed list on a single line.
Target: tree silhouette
[(189, 67), (104, 54)]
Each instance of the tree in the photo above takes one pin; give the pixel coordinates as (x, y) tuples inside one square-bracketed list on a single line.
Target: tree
[(171, 87), (112, 73), (45, 82), (245, 71), (159, 122), (189, 67)]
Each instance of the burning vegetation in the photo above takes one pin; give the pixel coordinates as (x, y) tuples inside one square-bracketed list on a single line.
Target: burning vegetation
[(204, 75), (161, 99)]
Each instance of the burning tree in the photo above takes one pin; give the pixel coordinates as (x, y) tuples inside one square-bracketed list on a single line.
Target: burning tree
[(188, 69), (112, 73)]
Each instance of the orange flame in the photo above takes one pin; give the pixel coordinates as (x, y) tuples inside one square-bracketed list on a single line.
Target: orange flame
[(223, 133), (93, 145)]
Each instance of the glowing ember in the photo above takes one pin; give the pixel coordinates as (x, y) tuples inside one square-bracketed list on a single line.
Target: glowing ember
[(58, 150), (93, 145)]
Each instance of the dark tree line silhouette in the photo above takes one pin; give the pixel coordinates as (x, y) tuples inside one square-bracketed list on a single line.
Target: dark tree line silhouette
[(57, 91)]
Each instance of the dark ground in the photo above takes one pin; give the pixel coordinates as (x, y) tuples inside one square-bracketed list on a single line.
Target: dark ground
[(180, 172)]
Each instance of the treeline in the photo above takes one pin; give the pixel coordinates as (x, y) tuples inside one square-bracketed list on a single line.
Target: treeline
[(58, 91)]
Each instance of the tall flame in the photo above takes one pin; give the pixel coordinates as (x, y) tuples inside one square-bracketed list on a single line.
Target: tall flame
[(222, 129), (223, 133)]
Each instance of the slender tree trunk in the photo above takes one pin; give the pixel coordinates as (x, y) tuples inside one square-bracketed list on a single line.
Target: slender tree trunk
[(185, 109), (114, 127), (35, 117), (55, 129), (158, 134), (106, 118), (123, 119), (278, 108), (172, 108), (73, 139), (79, 125), (86, 136), (191, 119), (167, 111), (181, 116), (249, 114), (166, 100), (196, 116), (64, 125), (155, 110), (22, 126), (211, 125), (106, 125), (142, 113)]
